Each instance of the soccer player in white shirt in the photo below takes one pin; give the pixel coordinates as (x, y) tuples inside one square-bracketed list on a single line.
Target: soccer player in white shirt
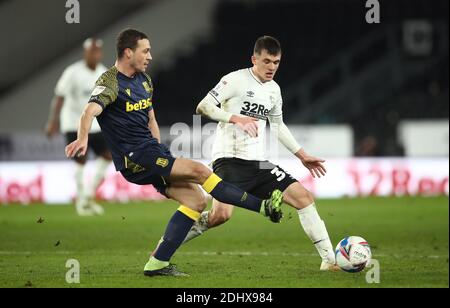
[(248, 98), (72, 93)]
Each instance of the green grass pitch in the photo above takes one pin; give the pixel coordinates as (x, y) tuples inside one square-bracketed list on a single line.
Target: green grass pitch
[(409, 237)]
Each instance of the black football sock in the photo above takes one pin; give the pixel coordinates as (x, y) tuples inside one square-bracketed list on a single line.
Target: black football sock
[(231, 194), (176, 231)]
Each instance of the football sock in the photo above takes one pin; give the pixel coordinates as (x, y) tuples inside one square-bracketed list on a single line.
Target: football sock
[(79, 168), (231, 194), (176, 231), (315, 229), (198, 228), (101, 167)]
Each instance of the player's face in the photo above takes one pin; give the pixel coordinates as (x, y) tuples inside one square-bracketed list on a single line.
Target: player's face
[(265, 65), (93, 55), (141, 56)]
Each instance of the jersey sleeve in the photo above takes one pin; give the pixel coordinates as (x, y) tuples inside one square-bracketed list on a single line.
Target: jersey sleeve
[(225, 89), (106, 89), (63, 86)]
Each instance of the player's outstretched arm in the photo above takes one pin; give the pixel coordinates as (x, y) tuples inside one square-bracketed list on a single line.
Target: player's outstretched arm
[(208, 108), (313, 164), (79, 146)]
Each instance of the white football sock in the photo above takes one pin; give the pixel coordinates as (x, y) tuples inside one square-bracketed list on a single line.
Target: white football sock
[(79, 180), (198, 227), (101, 167), (315, 229)]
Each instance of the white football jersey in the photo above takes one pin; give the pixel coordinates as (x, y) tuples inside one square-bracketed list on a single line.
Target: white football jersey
[(241, 93), (76, 85)]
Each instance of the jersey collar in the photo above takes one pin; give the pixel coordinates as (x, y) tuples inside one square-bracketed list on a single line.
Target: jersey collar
[(254, 77)]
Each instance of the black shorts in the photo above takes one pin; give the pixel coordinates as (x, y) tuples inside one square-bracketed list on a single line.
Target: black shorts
[(96, 142), (149, 164), (259, 178)]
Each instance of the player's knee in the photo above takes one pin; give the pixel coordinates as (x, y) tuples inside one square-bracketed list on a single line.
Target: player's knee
[(201, 172), (306, 199), (80, 159), (300, 200), (198, 204)]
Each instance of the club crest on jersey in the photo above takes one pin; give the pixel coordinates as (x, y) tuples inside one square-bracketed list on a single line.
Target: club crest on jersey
[(163, 162), (147, 87)]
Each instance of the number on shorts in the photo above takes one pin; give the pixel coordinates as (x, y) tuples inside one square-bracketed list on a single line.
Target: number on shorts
[(279, 174)]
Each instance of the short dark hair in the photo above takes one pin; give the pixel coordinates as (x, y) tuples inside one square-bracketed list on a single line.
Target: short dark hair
[(128, 38), (269, 43)]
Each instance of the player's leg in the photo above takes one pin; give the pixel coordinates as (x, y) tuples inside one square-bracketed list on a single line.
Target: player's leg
[(300, 198), (195, 172), (81, 204), (98, 144), (219, 214), (192, 203), (242, 173), (294, 194)]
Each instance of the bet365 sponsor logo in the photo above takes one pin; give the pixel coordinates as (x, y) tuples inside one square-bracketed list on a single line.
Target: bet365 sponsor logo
[(142, 104), (255, 110)]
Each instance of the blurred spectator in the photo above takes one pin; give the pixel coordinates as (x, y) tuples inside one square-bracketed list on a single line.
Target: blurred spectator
[(72, 93), (368, 146)]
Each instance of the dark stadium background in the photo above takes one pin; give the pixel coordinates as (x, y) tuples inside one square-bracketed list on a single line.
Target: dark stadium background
[(315, 35)]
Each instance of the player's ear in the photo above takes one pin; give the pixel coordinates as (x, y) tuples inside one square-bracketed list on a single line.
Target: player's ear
[(128, 53), (254, 59)]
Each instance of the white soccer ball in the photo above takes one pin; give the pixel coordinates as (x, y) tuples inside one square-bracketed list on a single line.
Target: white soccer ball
[(353, 254)]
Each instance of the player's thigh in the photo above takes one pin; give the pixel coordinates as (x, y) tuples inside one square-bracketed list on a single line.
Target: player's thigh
[(187, 194), (297, 196), (186, 170), (220, 212)]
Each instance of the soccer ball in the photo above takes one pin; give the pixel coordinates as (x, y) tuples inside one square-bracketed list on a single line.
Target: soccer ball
[(353, 254)]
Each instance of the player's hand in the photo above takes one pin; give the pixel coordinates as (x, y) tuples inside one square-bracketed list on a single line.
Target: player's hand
[(52, 128), (247, 124), (313, 164), (77, 148)]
